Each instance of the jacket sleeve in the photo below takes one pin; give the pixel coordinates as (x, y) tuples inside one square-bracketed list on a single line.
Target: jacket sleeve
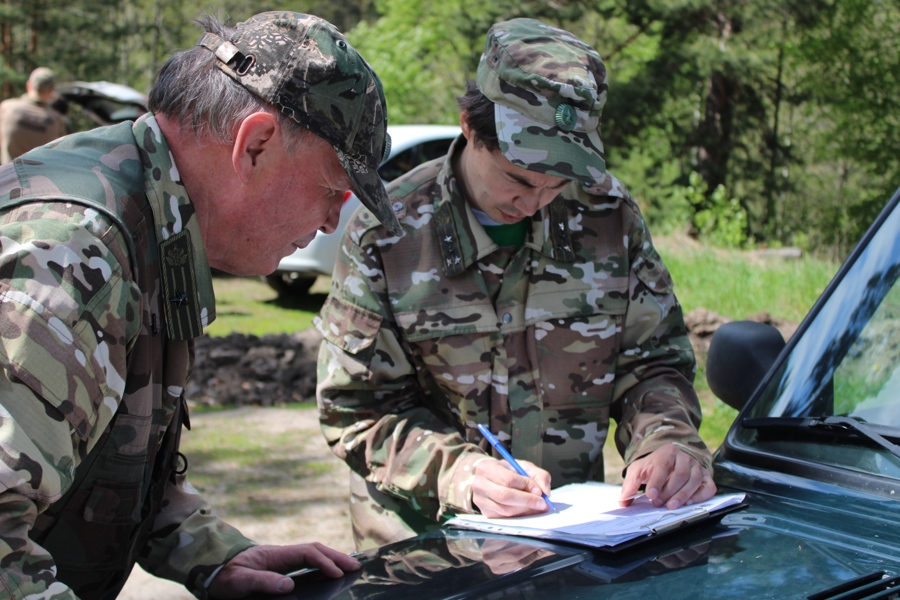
[(29, 482), (67, 320), (61, 379), (375, 414), (654, 400), (189, 543)]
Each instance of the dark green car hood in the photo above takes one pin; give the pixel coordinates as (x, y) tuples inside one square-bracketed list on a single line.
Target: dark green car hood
[(793, 539)]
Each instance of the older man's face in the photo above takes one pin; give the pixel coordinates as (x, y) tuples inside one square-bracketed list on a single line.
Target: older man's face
[(301, 195)]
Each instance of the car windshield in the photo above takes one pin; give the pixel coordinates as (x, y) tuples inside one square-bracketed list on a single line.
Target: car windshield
[(836, 398)]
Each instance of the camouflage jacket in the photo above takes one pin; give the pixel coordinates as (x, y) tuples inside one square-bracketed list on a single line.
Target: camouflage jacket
[(430, 334), (104, 282)]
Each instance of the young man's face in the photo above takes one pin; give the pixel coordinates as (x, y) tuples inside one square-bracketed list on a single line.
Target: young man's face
[(505, 192)]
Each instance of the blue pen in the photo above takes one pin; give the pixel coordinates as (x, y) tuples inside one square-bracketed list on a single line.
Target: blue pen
[(490, 437)]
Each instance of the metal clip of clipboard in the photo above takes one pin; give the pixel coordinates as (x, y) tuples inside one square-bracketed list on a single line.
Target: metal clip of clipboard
[(694, 515)]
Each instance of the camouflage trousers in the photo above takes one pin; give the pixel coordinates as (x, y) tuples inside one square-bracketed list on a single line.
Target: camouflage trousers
[(378, 518)]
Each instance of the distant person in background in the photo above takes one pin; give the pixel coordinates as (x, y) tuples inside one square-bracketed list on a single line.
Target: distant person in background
[(30, 121)]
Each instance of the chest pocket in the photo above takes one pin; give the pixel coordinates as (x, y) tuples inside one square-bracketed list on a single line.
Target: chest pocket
[(105, 507), (577, 336), (452, 348), (351, 328)]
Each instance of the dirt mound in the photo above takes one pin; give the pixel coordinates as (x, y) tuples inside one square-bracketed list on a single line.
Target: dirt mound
[(702, 324), (273, 370), (240, 369)]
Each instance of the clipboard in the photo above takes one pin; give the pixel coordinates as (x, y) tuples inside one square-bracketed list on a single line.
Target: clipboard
[(708, 517), (589, 515)]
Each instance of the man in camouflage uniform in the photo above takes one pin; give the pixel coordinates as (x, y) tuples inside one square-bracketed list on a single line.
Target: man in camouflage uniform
[(527, 296), (106, 244), (30, 121)]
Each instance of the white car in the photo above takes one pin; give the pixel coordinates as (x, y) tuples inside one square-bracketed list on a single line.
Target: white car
[(411, 145)]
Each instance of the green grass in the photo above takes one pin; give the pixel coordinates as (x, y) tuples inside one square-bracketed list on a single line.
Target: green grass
[(738, 285), (247, 468), (717, 418), (248, 305)]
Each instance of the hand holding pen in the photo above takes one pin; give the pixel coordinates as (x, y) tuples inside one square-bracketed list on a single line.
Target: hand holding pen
[(510, 489)]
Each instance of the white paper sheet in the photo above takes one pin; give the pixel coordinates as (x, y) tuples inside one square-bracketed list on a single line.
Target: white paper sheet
[(589, 514)]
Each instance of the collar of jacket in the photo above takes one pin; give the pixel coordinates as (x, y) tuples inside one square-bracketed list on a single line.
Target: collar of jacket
[(462, 238), (190, 304)]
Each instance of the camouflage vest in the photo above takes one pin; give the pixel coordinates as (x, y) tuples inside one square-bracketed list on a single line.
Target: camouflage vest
[(95, 531)]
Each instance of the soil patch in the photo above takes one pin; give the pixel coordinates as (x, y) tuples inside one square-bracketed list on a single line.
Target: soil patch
[(702, 324), (240, 369)]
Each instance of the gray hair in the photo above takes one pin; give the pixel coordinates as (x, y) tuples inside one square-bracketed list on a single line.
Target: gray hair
[(196, 94)]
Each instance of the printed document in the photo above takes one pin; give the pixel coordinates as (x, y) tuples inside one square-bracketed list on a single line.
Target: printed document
[(589, 514)]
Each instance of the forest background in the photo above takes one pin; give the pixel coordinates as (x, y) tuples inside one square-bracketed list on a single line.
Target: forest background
[(748, 123)]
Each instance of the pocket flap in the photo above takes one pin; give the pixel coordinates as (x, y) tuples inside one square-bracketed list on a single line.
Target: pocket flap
[(652, 272), (349, 327)]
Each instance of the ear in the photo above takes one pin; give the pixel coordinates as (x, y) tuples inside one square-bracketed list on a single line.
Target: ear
[(256, 136), (464, 125)]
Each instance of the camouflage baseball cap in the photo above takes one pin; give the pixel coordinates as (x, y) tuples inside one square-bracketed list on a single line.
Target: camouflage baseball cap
[(549, 89), (305, 67)]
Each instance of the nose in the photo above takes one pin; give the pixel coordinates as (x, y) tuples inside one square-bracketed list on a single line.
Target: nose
[(533, 200), (331, 223), (334, 215)]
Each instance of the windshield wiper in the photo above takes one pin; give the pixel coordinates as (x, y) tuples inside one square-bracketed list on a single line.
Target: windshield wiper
[(844, 427)]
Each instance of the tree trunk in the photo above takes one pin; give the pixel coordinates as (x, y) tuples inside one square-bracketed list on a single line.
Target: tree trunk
[(715, 131)]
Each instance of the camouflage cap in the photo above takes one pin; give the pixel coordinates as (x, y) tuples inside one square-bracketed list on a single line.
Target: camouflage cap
[(304, 66), (549, 89)]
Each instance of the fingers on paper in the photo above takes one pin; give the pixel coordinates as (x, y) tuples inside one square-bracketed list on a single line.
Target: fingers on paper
[(630, 488), (706, 490), (498, 491), (684, 479), (538, 476), (671, 477)]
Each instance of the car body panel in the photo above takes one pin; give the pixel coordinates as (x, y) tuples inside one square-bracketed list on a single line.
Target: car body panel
[(794, 538)]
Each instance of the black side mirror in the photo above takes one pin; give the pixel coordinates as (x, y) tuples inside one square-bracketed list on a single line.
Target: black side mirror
[(740, 354)]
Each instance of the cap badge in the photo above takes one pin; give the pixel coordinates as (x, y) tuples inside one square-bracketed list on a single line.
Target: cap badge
[(566, 117)]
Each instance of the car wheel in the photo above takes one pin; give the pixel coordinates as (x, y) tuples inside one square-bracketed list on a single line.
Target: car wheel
[(289, 284)]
